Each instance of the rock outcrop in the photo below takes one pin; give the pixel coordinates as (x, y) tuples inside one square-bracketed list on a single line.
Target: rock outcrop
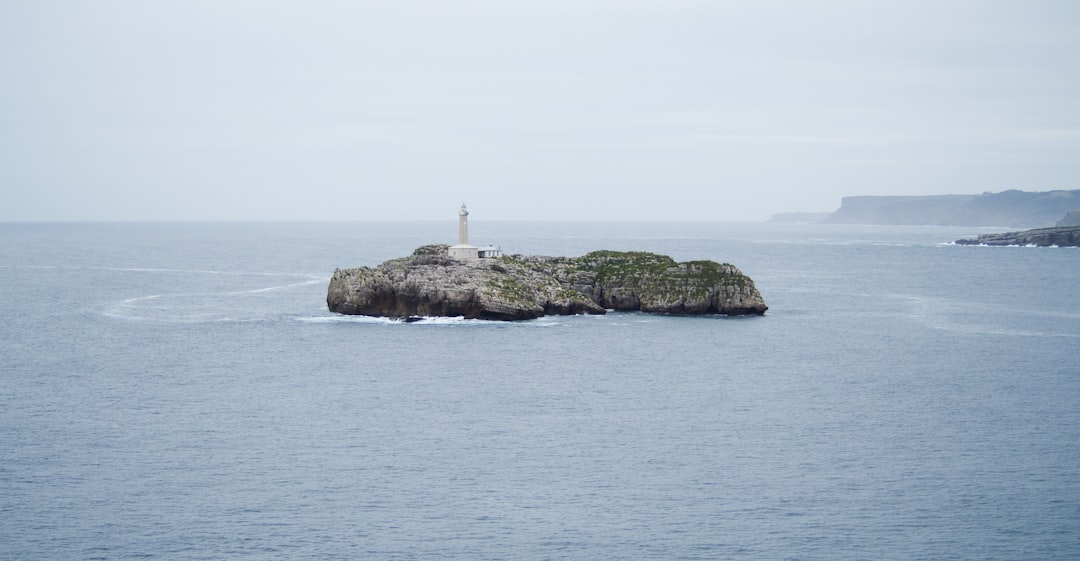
[(518, 287), (1043, 237)]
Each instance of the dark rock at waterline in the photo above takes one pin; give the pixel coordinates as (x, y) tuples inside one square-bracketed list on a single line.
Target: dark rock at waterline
[(1043, 237)]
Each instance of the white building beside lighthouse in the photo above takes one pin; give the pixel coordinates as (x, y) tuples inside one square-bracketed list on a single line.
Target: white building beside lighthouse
[(464, 250)]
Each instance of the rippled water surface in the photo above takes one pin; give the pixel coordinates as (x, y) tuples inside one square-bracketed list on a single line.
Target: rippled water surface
[(179, 391)]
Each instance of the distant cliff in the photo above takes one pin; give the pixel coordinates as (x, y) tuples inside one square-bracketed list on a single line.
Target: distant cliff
[(1071, 219), (1068, 236), (1017, 209), (517, 287)]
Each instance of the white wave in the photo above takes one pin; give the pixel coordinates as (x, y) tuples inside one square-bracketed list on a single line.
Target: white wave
[(132, 301), (1014, 245), (221, 305), (546, 321), (426, 320), (430, 320), (279, 287), (172, 318), (124, 308), (346, 319)]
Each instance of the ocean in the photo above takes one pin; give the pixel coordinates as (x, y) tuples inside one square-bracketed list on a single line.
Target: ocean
[(178, 391)]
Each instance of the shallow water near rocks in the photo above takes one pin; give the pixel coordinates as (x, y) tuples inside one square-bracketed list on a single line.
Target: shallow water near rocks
[(179, 391)]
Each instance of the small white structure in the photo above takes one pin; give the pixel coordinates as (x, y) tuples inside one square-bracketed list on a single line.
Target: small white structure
[(463, 250), (488, 251)]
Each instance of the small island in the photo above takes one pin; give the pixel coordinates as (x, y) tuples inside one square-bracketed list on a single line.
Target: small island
[(517, 287), (481, 283)]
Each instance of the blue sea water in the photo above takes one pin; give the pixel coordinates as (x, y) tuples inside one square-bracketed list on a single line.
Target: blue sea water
[(179, 392)]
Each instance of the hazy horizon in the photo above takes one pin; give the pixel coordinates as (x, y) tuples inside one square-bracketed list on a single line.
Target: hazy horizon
[(589, 110)]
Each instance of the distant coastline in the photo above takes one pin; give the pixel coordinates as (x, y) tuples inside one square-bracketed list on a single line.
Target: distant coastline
[(800, 217), (1012, 209)]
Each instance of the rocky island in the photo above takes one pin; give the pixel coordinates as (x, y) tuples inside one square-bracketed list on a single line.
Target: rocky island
[(430, 282), (1062, 236)]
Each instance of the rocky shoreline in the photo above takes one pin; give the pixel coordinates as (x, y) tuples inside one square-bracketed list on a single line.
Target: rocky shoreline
[(519, 287), (1068, 236)]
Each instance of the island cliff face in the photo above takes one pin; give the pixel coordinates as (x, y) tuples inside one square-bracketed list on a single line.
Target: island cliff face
[(517, 287)]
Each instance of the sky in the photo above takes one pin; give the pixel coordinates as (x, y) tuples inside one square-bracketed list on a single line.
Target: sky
[(527, 109)]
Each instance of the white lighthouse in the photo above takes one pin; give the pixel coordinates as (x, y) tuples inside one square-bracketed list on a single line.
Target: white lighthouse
[(463, 226), (463, 250)]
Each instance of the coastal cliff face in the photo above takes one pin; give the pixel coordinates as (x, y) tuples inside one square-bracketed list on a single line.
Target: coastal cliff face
[(1042, 237), (1013, 208), (517, 287), (1071, 219)]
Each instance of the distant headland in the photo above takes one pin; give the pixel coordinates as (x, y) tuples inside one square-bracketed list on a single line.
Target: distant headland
[(482, 283), (1013, 208)]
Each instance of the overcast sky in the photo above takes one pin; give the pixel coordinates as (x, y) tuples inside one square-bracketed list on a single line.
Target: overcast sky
[(526, 109)]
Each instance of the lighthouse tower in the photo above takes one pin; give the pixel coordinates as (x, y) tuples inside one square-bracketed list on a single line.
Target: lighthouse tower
[(463, 226), (463, 250)]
